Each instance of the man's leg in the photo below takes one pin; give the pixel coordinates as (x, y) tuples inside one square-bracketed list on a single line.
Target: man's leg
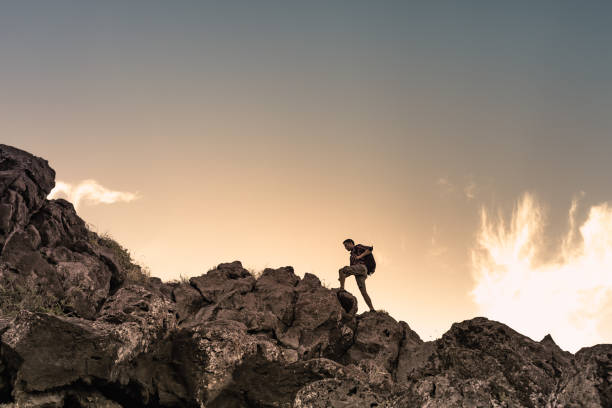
[(362, 288), (342, 277)]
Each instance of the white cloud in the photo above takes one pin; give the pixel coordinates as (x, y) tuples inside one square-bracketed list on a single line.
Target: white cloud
[(566, 296), (89, 191)]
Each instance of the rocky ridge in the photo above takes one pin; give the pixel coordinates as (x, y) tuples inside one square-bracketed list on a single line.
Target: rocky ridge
[(77, 330)]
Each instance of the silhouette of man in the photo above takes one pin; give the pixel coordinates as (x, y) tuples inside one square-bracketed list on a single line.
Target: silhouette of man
[(357, 267)]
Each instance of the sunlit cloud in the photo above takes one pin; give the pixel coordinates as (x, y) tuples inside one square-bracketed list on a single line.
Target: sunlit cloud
[(90, 192), (470, 190), (565, 296)]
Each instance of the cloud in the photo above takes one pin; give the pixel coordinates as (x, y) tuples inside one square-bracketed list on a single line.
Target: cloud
[(445, 185), (89, 191), (565, 296), (435, 249), (470, 190)]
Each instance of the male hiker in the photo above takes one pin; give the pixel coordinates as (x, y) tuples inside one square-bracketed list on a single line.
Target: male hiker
[(362, 265)]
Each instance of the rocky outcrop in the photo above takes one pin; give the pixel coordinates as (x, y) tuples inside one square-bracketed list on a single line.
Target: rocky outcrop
[(77, 331)]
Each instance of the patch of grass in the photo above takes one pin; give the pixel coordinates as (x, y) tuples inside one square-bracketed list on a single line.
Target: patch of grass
[(15, 297), (182, 280), (134, 272), (254, 273), (325, 284)]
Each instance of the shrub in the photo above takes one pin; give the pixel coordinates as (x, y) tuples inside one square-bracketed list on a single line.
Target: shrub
[(134, 272), (254, 273), (15, 297)]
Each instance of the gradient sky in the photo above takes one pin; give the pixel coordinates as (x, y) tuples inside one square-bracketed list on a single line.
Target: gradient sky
[(268, 132)]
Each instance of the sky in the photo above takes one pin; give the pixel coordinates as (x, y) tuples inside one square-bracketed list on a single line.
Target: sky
[(468, 142)]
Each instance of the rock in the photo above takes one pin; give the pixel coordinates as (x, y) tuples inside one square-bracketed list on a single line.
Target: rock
[(48, 258), (59, 225), (47, 351), (85, 283), (188, 301), (321, 326), (215, 349), (480, 361), (590, 385), (153, 315), (377, 338), (275, 292), (53, 256), (89, 399), (41, 400), (25, 182), (225, 280), (335, 393)]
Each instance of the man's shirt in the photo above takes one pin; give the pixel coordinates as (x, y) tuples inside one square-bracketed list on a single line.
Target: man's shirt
[(358, 250)]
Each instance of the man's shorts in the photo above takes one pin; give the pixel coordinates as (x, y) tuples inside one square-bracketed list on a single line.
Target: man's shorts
[(359, 270)]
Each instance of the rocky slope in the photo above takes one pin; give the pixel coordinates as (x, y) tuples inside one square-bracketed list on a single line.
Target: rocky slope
[(82, 326)]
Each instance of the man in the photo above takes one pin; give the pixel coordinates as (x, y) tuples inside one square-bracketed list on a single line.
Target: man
[(357, 267)]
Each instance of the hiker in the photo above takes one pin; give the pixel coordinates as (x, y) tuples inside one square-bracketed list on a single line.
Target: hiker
[(362, 265)]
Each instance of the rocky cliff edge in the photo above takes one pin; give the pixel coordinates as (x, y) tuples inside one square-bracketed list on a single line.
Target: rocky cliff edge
[(81, 325)]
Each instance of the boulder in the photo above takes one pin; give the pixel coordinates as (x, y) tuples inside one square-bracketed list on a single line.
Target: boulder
[(25, 182)]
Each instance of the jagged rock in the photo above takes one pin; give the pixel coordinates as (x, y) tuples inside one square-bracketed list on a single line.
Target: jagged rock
[(482, 362), (89, 399), (48, 258), (215, 350), (334, 393), (41, 400), (228, 339), (25, 182), (46, 351), (377, 338), (59, 225), (225, 280), (275, 295), (188, 301), (152, 313), (321, 326), (590, 384), (85, 283)]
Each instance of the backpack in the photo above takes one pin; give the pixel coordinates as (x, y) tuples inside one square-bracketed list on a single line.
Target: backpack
[(370, 263)]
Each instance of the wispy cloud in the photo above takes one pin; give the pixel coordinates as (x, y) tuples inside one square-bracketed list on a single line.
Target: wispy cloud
[(566, 296), (445, 185), (435, 248), (448, 187), (470, 190), (91, 192)]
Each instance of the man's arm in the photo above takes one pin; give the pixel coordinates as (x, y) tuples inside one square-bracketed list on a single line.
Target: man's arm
[(365, 253)]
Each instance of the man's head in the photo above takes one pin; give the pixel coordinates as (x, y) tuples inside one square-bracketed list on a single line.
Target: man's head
[(348, 244)]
